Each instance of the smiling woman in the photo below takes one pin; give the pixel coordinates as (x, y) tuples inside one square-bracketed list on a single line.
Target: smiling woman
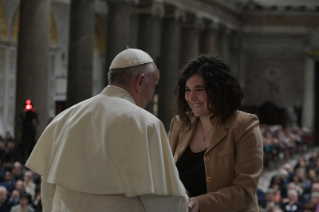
[(196, 96), (217, 149)]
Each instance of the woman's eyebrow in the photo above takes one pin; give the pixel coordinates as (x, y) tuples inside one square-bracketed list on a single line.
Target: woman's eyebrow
[(198, 86)]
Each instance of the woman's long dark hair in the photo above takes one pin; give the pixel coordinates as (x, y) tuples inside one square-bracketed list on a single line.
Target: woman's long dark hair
[(223, 89)]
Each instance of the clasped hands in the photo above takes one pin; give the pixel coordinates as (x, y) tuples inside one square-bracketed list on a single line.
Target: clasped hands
[(193, 205)]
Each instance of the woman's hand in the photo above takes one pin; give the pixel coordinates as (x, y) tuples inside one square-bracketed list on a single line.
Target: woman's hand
[(193, 205)]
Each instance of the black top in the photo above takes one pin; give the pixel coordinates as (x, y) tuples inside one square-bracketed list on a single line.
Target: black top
[(191, 170)]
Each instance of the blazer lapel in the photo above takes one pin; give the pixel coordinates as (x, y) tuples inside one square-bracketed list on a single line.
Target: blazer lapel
[(220, 132), (184, 139)]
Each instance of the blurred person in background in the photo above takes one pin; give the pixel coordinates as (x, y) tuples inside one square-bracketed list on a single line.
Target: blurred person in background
[(269, 202), (315, 200), (292, 204), (5, 203), (17, 172), (8, 182), (14, 198), (23, 205), (28, 184)]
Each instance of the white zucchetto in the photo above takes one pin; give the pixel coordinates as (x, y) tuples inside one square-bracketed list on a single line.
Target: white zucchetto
[(130, 57)]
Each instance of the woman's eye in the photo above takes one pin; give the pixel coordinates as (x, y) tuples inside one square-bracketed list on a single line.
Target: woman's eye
[(187, 90)]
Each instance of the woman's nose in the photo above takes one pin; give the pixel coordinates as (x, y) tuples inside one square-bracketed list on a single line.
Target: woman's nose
[(192, 95)]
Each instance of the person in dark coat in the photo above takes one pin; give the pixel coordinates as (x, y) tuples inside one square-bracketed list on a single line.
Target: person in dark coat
[(292, 204), (5, 203), (8, 182)]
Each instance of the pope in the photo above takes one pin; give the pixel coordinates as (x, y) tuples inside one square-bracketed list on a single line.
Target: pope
[(107, 153)]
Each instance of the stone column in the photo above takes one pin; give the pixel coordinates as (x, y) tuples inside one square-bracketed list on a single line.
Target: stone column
[(149, 40), (189, 39), (235, 52), (209, 39), (316, 99), (32, 62), (224, 45), (118, 32), (309, 95), (241, 65), (169, 66), (81, 44)]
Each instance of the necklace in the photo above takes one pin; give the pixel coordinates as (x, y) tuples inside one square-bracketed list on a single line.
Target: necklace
[(204, 136)]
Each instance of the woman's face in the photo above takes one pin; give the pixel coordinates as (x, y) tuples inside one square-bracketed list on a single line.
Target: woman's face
[(196, 96), (23, 200)]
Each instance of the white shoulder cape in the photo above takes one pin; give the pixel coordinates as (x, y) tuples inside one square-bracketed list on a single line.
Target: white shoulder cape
[(107, 145)]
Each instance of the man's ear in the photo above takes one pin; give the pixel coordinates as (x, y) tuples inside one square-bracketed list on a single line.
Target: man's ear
[(139, 82)]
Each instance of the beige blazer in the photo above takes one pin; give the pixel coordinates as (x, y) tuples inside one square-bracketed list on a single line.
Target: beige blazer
[(233, 162)]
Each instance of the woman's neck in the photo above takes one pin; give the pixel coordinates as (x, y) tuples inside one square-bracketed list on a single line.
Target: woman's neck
[(206, 123), (22, 207)]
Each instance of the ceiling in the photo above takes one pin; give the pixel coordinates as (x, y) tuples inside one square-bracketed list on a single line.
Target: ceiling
[(293, 5)]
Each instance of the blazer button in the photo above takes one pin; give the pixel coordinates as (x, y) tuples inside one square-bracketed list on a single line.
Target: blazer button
[(209, 179), (206, 158)]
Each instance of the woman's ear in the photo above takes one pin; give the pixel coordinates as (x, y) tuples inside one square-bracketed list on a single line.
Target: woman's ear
[(139, 82)]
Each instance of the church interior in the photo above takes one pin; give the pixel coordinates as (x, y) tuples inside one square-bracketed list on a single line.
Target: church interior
[(57, 53), (271, 47)]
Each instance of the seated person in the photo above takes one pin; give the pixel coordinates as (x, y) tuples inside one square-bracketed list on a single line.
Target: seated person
[(5, 203), (292, 203), (23, 203), (8, 182)]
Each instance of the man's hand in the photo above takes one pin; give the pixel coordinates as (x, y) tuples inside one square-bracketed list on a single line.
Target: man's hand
[(193, 205)]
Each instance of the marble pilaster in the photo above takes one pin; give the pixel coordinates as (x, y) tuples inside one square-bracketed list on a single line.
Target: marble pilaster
[(32, 64), (189, 39), (308, 102), (316, 99), (118, 33), (81, 44), (209, 40), (224, 45), (235, 53), (149, 40), (169, 67)]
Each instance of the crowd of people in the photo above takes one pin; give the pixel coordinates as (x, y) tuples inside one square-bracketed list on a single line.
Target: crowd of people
[(294, 188), (281, 144), (20, 188)]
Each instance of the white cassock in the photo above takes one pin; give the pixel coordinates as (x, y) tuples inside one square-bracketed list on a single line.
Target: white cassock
[(107, 154)]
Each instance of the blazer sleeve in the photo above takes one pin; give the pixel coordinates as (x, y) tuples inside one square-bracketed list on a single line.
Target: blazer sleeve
[(169, 135), (248, 165), (174, 133)]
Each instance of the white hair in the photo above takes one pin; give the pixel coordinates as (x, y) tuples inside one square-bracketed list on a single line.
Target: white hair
[(291, 184), (2, 188), (28, 173), (125, 76), (292, 191), (315, 194), (283, 172)]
